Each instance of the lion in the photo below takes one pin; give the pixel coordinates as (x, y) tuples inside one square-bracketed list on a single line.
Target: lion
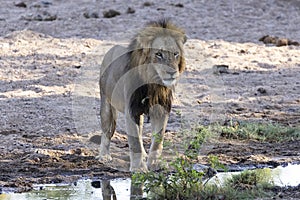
[(139, 80)]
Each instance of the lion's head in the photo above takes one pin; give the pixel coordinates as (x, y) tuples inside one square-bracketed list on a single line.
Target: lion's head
[(160, 44)]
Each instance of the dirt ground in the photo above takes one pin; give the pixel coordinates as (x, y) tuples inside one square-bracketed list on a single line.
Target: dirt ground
[(50, 55)]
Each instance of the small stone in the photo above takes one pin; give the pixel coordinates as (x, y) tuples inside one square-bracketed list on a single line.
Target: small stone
[(295, 43), (220, 69), (46, 3), (77, 66), (90, 15), (111, 13), (94, 15), (268, 39), (44, 16), (242, 51), (130, 10), (38, 17), (147, 3), (21, 5), (262, 90), (179, 5), (86, 15), (49, 17), (282, 42)]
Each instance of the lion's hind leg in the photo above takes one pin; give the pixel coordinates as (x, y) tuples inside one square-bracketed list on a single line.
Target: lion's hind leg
[(108, 117)]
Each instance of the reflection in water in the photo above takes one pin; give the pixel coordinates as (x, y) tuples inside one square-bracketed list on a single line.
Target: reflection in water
[(123, 189), (136, 191), (282, 176), (108, 192)]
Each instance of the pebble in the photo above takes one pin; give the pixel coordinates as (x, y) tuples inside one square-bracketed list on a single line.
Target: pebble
[(44, 16), (220, 69), (91, 15), (111, 13), (147, 3), (179, 5), (262, 90), (130, 10), (21, 4)]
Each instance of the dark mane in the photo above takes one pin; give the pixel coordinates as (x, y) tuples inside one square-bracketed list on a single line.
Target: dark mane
[(148, 96)]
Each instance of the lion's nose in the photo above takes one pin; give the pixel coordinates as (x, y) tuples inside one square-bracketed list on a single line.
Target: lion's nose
[(172, 73)]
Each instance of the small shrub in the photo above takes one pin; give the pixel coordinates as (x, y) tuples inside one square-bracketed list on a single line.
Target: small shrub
[(182, 181), (251, 179)]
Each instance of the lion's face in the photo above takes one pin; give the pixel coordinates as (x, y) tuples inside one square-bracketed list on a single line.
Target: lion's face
[(166, 56)]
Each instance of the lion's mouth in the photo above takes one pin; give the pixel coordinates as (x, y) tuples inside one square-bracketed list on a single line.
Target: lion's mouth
[(169, 81)]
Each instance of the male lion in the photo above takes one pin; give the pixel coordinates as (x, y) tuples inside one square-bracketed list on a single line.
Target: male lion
[(140, 80)]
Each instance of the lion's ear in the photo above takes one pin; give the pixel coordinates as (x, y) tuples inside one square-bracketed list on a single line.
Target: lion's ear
[(182, 59), (182, 64), (184, 39)]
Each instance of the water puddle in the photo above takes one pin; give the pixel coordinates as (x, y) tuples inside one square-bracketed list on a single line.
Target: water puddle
[(282, 176), (82, 189), (121, 188)]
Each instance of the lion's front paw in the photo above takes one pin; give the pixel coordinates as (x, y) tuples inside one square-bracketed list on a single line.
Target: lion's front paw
[(104, 158), (141, 168), (154, 164), (138, 162)]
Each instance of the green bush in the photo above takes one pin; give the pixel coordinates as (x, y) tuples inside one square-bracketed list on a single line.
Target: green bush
[(251, 179), (182, 181)]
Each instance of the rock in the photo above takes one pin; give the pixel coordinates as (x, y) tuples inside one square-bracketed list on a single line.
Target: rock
[(242, 51), (41, 4), (278, 41), (111, 13), (179, 5), (44, 16), (147, 3), (46, 3), (48, 17), (282, 42), (262, 90), (268, 39), (38, 17), (90, 15), (220, 69), (130, 10), (21, 4), (77, 66)]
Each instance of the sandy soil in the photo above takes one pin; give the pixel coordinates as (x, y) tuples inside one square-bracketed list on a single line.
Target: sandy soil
[(49, 98)]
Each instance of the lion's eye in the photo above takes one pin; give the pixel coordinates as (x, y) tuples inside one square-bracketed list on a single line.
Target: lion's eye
[(159, 55), (176, 54)]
